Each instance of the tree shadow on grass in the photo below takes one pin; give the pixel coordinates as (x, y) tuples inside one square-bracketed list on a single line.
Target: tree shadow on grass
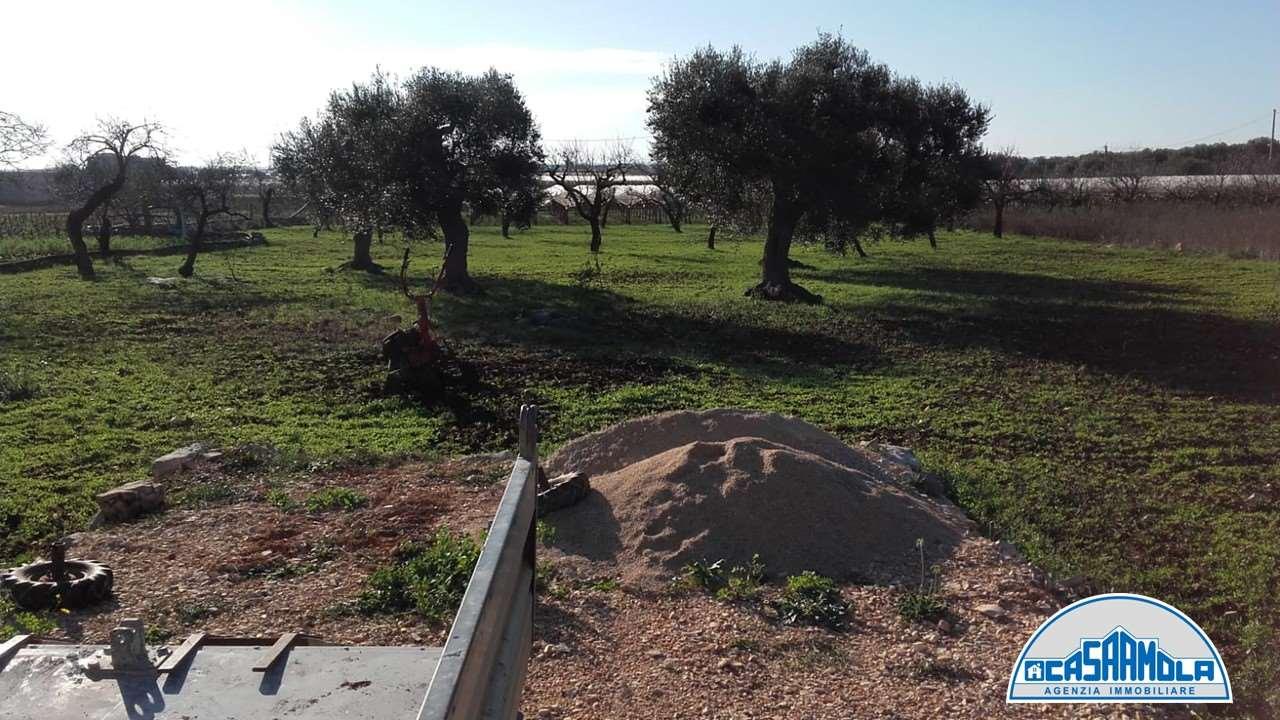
[(1143, 330), (1019, 286)]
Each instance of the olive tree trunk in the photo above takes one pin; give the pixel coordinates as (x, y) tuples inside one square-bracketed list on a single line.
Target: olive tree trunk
[(711, 238), (455, 277), (775, 283), (362, 256), (998, 230)]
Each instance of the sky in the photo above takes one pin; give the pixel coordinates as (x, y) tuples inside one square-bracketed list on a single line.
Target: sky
[(1060, 77)]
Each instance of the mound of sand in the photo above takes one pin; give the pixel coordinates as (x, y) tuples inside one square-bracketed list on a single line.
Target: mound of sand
[(725, 484)]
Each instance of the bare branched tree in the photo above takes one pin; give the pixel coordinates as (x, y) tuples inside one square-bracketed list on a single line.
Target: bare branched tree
[(1002, 185), (589, 178), (1128, 182), (207, 191), (20, 140), (117, 143)]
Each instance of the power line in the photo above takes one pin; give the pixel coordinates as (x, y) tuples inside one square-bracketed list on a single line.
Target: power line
[(1220, 133)]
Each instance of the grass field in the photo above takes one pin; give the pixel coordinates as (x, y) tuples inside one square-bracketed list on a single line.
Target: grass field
[(1112, 411)]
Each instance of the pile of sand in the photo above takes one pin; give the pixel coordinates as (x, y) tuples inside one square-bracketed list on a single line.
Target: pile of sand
[(726, 484)]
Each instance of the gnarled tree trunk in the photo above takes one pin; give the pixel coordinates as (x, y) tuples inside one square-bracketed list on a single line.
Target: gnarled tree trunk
[(104, 231), (775, 283), (196, 241), (933, 241), (76, 218), (711, 238), (362, 256), (506, 226), (455, 277), (998, 230)]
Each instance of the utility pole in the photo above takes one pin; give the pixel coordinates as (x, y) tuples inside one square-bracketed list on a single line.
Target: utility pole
[(1271, 148)]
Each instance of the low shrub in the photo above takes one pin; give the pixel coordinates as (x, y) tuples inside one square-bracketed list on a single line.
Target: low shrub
[(428, 578), (811, 599)]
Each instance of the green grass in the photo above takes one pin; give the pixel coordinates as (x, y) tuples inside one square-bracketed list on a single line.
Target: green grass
[(336, 498), (1112, 411)]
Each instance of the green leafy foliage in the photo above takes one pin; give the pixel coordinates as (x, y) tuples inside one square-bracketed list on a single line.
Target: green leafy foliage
[(811, 599), (335, 498), (427, 578), (15, 621)]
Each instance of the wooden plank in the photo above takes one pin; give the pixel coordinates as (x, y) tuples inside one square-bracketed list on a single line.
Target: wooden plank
[(11, 647), (276, 651), (184, 651)]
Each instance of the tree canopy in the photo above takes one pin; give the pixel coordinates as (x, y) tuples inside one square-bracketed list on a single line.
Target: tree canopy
[(824, 145), (410, 155)]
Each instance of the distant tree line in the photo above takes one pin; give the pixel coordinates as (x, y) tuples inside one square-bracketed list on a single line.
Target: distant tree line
[(1203, 159)]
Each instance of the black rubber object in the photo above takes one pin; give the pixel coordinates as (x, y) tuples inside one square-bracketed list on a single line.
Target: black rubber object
[(32, 585)]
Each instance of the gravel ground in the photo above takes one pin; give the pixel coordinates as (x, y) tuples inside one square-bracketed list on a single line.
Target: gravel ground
[(600, 650)]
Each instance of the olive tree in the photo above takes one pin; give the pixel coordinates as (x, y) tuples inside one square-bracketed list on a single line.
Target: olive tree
[(105, 156), (813, 146), (467, 141), (342, 162), (412, 155)]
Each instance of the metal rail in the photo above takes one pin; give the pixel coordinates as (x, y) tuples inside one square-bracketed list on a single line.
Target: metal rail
[(481, 671)]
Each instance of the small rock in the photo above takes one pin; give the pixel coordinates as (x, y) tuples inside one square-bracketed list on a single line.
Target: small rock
[(944, 626), (656, 654), (727, 665), (993, 611), (555, 649), (921, 648), (900, 455), (177, 460), (164, 282), (129, 501)]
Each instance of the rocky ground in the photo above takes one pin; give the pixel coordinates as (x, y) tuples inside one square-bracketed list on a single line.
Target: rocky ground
[(241, 565)]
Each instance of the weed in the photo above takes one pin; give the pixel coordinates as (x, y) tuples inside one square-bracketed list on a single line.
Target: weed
[(604, 585), (194, 613), (428, 578), (206, 493), (926, 601), (742, 582), (16, 385), (811, 599), (14, 621), (701, 574), (158, 635), (546, 580), (545, 532), (335, 498), (280, 499)]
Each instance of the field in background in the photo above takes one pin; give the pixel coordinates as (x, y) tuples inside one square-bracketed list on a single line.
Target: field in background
[(1239, 231), (1113, 411)]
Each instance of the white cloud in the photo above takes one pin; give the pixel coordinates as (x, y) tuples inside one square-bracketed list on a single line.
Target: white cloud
[(233, 78)]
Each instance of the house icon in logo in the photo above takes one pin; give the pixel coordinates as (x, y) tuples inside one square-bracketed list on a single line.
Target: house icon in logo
[(1034, 671)]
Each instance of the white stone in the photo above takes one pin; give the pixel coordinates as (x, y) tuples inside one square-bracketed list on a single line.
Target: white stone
[(176, 461)]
